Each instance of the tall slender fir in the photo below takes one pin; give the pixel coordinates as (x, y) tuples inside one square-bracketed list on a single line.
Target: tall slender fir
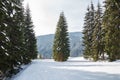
[(30, 40), (61, 46), (97, 46), (86, 34)]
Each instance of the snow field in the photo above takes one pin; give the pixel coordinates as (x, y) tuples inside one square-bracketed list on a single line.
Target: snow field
[(73, 69)]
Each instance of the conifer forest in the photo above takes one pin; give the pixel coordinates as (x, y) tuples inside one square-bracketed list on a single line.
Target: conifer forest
[(18, 43)]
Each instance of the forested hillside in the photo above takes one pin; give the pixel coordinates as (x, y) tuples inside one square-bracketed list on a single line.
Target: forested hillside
[(45, 44)]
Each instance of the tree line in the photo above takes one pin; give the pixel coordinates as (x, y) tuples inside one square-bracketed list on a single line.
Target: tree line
[(18, 44), (17, 38), (101, 39)]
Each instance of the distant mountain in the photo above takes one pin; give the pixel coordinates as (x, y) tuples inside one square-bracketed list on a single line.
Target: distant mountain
[(45, 43)]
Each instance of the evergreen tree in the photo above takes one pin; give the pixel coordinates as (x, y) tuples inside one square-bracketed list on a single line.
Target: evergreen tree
[(15, 23), (86, 34), (30, 40), (91, 29), (4, 56), (111, 25), (97, 45), (17, 38), (61, 41)]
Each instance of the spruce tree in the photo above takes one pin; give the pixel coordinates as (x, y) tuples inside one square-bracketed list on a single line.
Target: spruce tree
[(4, 41), (91, 29), (15, 23), (97, 45), (30, 40), (86, 34), (61, 46), (14, 26), (111, 25)]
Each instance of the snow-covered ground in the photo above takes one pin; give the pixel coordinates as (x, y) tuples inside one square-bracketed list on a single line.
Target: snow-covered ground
[(74, 69)]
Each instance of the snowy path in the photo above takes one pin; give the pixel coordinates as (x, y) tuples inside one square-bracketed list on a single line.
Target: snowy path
[(74, 69)]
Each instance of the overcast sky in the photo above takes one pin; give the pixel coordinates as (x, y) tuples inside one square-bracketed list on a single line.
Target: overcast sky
[(45, 14)]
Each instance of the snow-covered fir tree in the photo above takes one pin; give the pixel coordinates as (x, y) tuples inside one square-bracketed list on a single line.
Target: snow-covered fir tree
[(13, 39), (14, 32), (4, 41)]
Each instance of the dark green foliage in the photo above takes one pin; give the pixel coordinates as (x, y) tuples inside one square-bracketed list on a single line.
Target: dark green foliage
[(111, 25), (15, 32), (86, 35), (97, 46), (105, 31), (88, 32), (15, 23), (13, 20), (93, 34), (30, 40), (61, 41), (3, 39), (91, 29), (13, 39)]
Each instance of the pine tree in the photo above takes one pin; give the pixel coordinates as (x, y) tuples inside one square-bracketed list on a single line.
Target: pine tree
[(97, 45), (30, 40), (111, 25), (91, 29), (13, 39), (15, 23), (4, 41), (86, 34), (61, 41)]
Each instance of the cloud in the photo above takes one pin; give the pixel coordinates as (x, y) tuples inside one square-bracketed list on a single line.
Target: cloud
[(45, 14)]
